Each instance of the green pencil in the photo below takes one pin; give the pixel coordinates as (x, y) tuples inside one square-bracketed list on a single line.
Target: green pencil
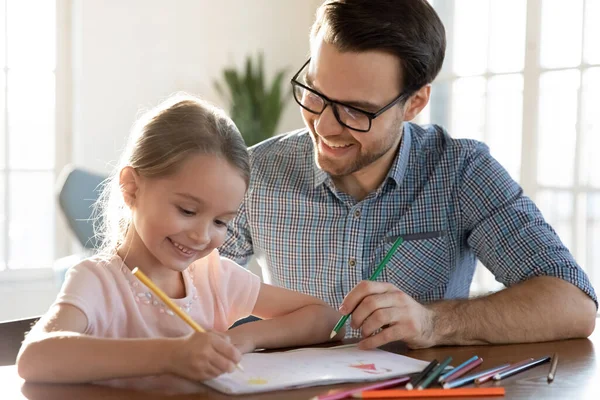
[(434, 374), (374, 276)]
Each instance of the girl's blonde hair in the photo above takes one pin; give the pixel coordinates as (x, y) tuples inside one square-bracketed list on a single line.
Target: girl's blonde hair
[(160, 141)]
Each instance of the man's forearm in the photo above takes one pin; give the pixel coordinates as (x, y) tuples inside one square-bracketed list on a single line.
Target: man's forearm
[(539, 309)]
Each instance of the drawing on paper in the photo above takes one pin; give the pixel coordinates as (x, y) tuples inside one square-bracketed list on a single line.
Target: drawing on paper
[(257, 381), (313, 367), (370, 368)]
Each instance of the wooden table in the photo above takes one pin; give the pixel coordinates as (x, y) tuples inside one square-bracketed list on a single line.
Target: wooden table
[(578, 375)]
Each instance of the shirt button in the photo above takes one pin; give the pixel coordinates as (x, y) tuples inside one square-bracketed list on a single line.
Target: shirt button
[(357, 213), (352, 262)]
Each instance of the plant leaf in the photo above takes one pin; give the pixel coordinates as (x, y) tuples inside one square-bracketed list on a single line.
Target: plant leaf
[(254, 106)]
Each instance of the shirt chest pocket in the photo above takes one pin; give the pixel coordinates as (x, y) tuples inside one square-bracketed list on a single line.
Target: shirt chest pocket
[(420, 266)]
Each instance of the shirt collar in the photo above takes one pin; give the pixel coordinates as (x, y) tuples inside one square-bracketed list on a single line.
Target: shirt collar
[(396, 172), (398, 169), (319, 176)]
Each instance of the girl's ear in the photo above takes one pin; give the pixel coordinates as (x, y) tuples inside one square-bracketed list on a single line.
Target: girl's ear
[(129, 182)]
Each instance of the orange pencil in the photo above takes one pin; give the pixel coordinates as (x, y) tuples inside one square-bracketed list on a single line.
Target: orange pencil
[(462, 392)]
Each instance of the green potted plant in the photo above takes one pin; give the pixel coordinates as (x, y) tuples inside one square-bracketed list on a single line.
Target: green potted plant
[(254, 106)]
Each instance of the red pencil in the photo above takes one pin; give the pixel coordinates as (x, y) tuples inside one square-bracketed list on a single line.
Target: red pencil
[(347, 393), (463, 370), (462, 392)]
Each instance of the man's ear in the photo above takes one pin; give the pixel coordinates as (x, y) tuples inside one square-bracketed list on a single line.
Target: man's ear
[(129, 182), (417, 102)]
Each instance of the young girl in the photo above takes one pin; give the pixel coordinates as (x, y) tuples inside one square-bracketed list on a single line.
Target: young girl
[(166, 211)]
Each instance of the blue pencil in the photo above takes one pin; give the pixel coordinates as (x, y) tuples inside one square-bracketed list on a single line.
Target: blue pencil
[(471, 378), (512, 371), (464, 370), (447, 374)]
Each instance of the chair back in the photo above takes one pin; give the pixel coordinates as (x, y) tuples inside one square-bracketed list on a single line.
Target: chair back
[(78, 191)]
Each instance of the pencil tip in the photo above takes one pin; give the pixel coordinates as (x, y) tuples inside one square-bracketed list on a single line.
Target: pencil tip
[(332, 334), (239, 366)]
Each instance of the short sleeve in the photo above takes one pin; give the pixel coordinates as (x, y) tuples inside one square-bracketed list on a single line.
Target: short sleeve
[(236, 289), (87, 287)]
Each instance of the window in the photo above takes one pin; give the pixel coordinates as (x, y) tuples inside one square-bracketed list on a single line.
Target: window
[(520, 76), (28, 140)]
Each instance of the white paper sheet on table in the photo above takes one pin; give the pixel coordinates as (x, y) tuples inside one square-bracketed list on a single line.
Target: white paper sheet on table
[(265, 372)]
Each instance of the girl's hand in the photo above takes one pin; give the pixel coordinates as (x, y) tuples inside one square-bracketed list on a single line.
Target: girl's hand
[(203, 356), (244, 343)]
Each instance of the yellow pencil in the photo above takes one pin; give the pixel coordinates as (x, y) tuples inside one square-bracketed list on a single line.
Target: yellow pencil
[(180, 313)]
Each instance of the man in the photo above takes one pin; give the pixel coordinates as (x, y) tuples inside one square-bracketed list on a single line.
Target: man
[(326, 202)]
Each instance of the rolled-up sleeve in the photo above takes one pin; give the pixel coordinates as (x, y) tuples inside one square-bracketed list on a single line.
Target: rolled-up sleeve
[(238, 243), (506, 230)]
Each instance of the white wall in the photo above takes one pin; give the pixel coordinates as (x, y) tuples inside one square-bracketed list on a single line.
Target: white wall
[(130, 54)]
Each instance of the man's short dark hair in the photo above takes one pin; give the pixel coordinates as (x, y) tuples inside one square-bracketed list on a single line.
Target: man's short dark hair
[(409, 29)]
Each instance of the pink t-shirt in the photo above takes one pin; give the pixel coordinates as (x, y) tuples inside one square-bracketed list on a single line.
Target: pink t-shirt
[(118, 305)]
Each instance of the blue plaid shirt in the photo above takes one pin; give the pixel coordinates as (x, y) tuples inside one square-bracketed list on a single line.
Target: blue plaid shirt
[(310, 237)]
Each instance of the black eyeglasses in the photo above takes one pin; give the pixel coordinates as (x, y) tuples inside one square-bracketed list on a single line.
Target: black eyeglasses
[(347, 115)]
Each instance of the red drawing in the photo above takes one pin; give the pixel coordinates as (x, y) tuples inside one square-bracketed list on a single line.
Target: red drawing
[(370, 368), (365, 367)]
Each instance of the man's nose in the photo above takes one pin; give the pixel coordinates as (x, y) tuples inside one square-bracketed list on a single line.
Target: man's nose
[(327, 124)]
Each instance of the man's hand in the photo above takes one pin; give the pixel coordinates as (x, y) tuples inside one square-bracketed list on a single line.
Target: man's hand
[(380, 305)]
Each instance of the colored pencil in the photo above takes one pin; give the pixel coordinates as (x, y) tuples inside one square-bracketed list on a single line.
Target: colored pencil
[(418, 378), (347, 393), (374, 276), (443, 377), (169, 303), (512, 371), (461, 392), (461, 369), (489, 376), (553, 367), (471, 378), (434, 374)]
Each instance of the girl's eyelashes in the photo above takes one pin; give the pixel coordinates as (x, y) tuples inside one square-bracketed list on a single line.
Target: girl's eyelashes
[(191, 213), (187, 213)]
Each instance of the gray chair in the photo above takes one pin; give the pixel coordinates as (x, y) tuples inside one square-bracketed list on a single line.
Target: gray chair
[(78, 191)]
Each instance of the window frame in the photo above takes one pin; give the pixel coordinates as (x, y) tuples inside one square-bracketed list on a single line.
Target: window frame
[(528, 177), (63, 243)]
